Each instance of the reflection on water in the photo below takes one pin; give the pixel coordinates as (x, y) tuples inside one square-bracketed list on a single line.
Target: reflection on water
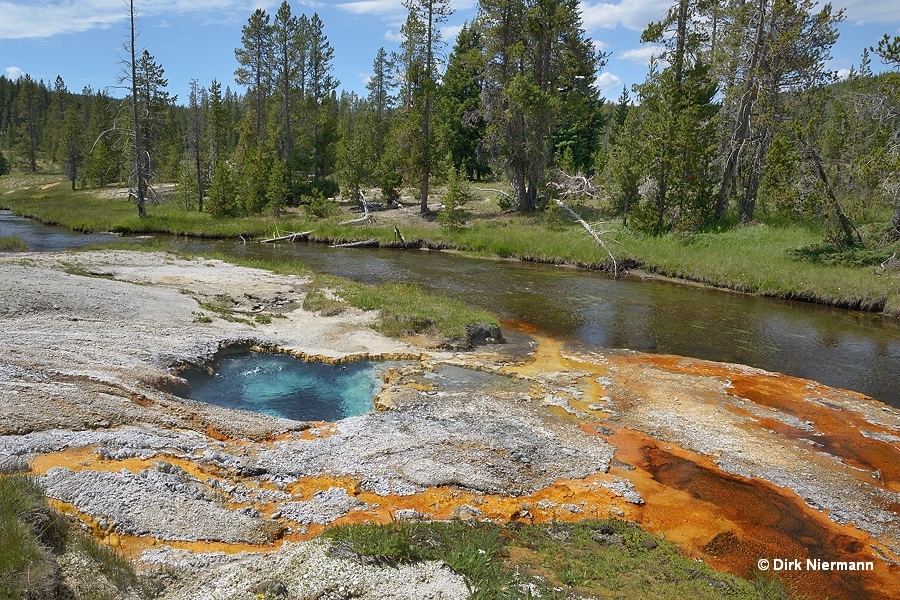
[(40, 238), (841, 348), (280, 385)]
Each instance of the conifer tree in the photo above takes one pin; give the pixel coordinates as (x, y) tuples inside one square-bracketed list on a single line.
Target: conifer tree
[(71, 144), (423, 41), (29, 127), (255, 59), (539, 64), (461, 122), (321, 85), (679, 126)]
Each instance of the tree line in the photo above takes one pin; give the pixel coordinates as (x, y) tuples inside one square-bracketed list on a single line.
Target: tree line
[(737, 116)]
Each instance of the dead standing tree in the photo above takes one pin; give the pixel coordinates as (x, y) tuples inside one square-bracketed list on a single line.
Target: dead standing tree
[(139, 175), (127, 124)]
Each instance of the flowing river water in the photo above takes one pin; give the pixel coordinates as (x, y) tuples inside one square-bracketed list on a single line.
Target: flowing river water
[(841, 348)]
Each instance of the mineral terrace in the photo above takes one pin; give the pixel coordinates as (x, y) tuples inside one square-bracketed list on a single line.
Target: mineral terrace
[(732, 463)]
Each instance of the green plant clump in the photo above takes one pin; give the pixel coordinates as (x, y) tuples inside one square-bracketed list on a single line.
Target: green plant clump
[(33, 535), (9, 243), (592, 558)]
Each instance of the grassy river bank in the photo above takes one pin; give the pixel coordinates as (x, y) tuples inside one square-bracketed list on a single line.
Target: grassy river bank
[(765, 259)]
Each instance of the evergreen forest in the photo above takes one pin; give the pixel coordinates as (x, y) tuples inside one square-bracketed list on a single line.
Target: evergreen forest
[(737, 120)]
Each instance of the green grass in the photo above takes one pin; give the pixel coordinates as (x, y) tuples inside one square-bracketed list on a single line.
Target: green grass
[(31, 536), (608, 558), (12, 244), (117, 569), (764, 259), (403, 309), (761, 259)]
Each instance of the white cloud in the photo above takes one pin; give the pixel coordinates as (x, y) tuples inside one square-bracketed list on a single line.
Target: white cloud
[(870, 11), (631, 14), (608, 84), (45, 18), (450, 32), (364, 77), (14, 73), (392, 7), (372, 7), (641, 55), (393, 36), (637, 14), (843, 73)]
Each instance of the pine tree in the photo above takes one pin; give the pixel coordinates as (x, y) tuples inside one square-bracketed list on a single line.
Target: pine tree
[(29, 126), (71, 143), (255, 58), (381, 100), (770, 47), (356, 154), (101, 162), (217, 120), (539, 65), (678, 127), (321, 85), (429, 15), (194, 137), (462, 127), (289, 55)]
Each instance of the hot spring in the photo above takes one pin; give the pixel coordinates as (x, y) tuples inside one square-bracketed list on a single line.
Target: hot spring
[(280, 385)]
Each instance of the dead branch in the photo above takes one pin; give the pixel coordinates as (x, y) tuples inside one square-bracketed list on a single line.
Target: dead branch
[(886, 263), (593, 232), (288, 237), (575, 186), (366, 216)]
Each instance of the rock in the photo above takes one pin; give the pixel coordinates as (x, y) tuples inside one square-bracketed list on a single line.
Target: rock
[(483, 333), (467, 511), (323, 508), (269, 588)]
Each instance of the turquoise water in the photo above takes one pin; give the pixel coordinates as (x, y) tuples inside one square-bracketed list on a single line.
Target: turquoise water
[(283, 386)]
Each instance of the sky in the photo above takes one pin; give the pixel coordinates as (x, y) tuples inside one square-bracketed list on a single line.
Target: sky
[(83, 40)]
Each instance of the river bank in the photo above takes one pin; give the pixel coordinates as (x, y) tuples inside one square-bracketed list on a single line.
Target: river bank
[(731, 463), (755, 259)]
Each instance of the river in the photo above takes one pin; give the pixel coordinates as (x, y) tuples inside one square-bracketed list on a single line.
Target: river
[(841, 348)]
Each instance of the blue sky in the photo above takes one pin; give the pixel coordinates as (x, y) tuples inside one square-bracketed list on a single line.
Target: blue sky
[(82, 40)]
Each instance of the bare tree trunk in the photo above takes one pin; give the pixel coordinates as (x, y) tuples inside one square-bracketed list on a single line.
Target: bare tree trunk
[(742, 130), (847, 227), (139, 174), (426, 113)]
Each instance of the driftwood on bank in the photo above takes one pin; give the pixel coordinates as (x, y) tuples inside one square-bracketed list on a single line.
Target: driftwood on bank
[(366, 216), (359, 244), (288, 237)]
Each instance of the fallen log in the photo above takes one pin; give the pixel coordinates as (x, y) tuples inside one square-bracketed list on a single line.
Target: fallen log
[(593, 233), (360, 244), (290, 237)]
